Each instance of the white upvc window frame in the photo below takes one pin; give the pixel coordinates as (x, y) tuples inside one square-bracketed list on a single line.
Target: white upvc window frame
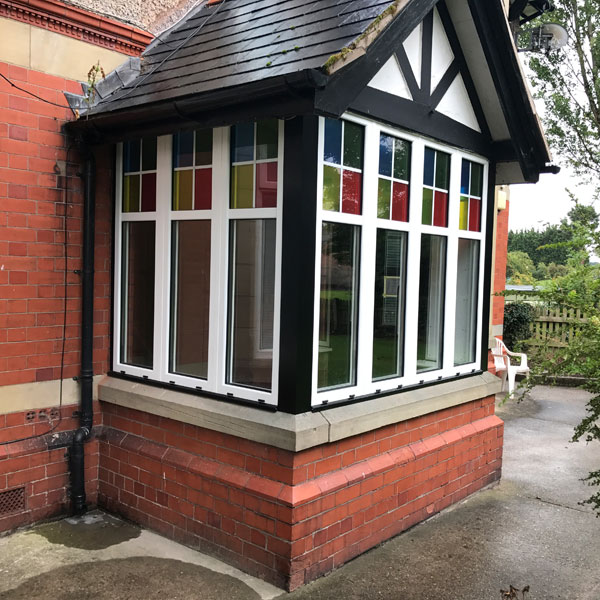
[(220, 215), (369, 223)]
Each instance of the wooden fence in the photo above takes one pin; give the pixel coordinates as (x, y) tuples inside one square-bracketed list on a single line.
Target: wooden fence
[(555, 325)]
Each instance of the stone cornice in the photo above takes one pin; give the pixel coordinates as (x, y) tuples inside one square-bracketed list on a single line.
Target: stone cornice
[(77, 23)]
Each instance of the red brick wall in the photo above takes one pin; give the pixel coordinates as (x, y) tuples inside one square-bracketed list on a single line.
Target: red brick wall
[(39, 465), (285, 516), (500, 266), (33, 216)]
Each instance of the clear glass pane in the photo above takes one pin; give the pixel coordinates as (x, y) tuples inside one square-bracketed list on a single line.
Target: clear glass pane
[(331, 188), (467, 287), (266, 139), (390, 285), (183, 149), (386, 147), (338, 305), (149, 154), (242, 186), (251, 302), (333, 141), (183, 184), (131, 193), (204, 143), (242, 142), (190, 298), (432, 284), (442, 171), (137, 294), (402, 160), (384, 192), (353, 145)]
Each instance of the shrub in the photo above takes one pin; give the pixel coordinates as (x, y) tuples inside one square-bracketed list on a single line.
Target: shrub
[(518, 317)]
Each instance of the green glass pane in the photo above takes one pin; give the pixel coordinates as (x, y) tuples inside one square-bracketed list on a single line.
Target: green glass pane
[(464, 213), (384, 190), (204, 144), (442, 171), (402, 160), (331, 188), (353, 145), (242, 186), (427, 206), (183, 190), (131, 193), (266, 139), (476, 179), (149, 154)]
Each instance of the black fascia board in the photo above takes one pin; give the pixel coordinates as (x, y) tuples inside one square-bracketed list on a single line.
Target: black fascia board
[(345, 85), (497, 44), (282, 97)]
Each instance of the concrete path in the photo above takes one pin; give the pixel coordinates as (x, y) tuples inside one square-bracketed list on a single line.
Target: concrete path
[(529, 530)]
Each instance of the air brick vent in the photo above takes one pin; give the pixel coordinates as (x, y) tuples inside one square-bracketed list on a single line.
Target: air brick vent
[(12, 501)]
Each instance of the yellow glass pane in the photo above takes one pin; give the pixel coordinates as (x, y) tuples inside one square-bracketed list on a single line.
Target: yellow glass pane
[(464, 213), (131, 193), (331, 188), (183, 185), (242, 186)]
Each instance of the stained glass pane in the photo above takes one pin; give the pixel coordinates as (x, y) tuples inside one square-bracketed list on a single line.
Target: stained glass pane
[(476, 179), (183, 149), (203, 189), (386, 146), (131, 156), (331, 188), (442, 171), (427, 206), (400, 202), (148, 192), (183, 182), (242, 186), (384, 190), (242, 142), (204, 143), (333, 141), (465, 323), (388, 322), (475, 215), (351, 192), (266, 185), (464, 176), (353, 145), (137, 294), (428, 166), (440, 209), (402, 160), (149, 154), (464, 213), (266, 139), (338, 305), (131, 193), (190, 298)]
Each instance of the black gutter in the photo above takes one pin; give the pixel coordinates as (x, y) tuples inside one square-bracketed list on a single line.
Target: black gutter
[(86, 414)]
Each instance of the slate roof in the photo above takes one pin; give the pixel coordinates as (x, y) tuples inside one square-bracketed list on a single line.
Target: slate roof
[(237, 42)]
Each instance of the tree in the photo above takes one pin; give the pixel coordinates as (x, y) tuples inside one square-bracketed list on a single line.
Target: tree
[(519, 268)]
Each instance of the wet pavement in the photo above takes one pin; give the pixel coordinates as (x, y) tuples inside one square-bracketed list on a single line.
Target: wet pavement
[(529, 530)]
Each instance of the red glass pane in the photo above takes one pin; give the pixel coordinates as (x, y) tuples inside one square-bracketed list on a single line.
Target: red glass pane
[(440, 209), (148, 192), (400, 202), (266, 185), (351, 189), (203, 192), (474, 214)]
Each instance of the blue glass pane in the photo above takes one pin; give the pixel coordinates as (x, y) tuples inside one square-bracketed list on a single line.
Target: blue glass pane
[(242, 142), (464, 177), (183, 149), (333, 141), (429, 164), (386, 146), (131, 156)]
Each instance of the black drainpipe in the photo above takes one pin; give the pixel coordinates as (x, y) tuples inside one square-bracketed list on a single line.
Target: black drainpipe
[(86, 414)]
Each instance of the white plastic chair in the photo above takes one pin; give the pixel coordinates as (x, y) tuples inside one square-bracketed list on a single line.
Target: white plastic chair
[(502, 364)]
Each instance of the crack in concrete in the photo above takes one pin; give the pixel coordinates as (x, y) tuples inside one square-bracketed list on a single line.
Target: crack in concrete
[(581, 510)]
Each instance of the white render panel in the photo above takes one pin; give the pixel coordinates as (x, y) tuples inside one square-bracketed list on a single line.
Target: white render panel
[(441, 53), (391, 80), (412, 46), (457, 105)]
